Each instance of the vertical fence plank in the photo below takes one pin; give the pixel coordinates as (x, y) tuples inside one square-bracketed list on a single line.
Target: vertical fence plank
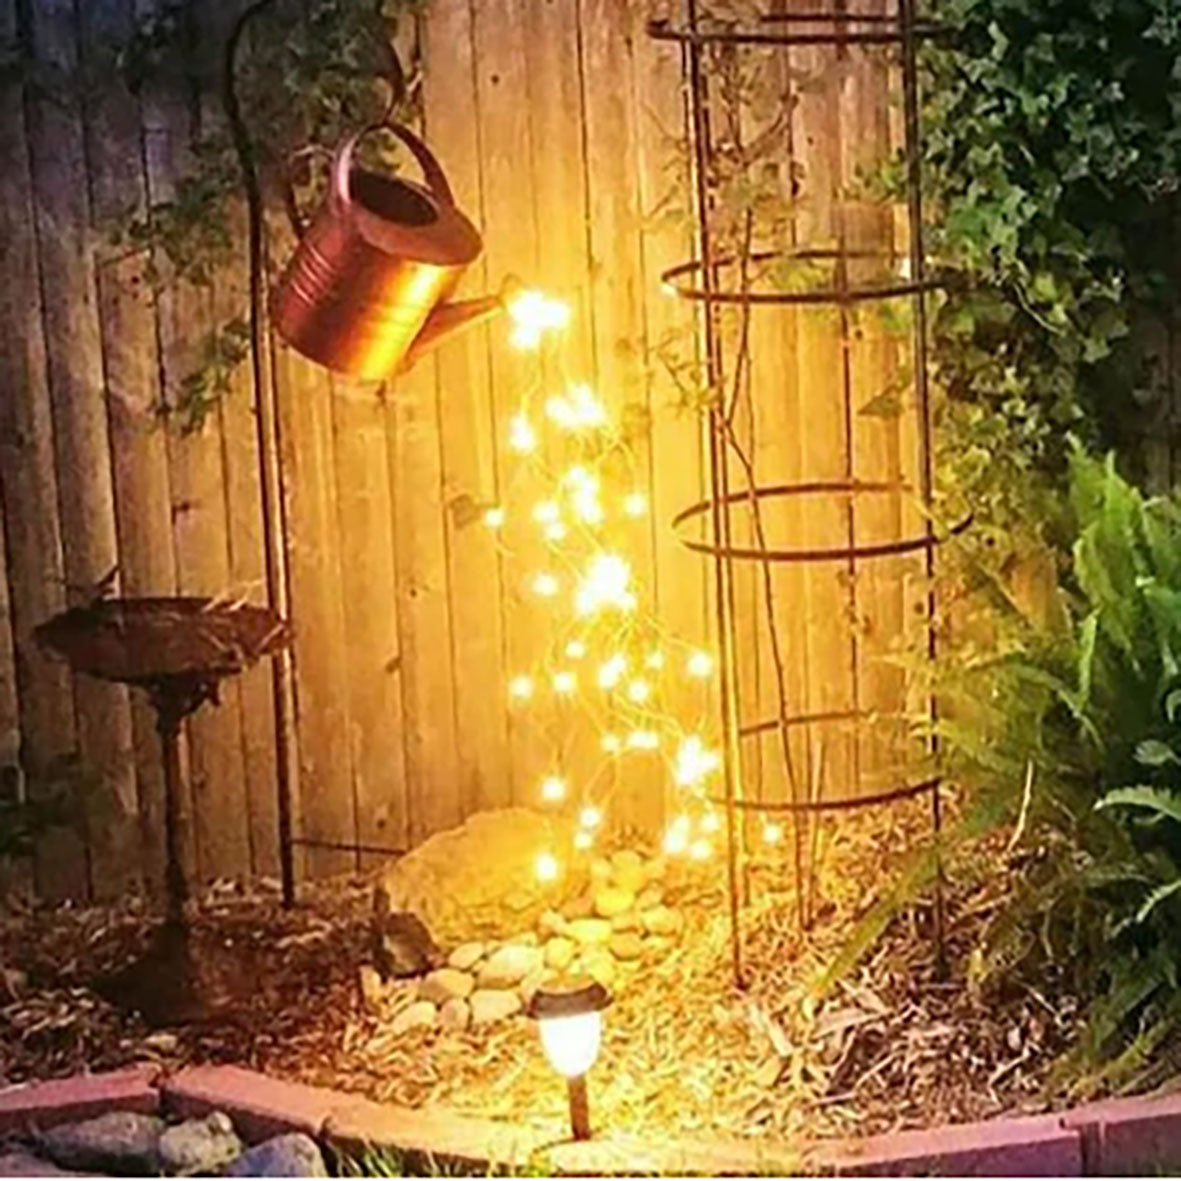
[(76, 383), (365, 516), (32, 521), (424, 626), (616, 269), (469, 443), (326, 804), (131, 363), (511, 247)]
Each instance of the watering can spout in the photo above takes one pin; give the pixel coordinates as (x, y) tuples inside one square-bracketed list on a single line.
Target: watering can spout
[(449, 320)]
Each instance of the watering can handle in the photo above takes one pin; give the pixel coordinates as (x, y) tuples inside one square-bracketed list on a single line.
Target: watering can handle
[(432, 171)]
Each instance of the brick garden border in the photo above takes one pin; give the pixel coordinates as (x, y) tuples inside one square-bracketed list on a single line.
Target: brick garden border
[(1120, 1136)]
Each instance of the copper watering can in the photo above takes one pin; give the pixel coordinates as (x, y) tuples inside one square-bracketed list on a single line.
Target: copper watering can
[(366, 291)]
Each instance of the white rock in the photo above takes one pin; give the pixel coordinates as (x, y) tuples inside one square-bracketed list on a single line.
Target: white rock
[(559, 952), (445, 984), (490, 1005), (611, 901), (589, 931), (456, 1014), (662, 920), (507, 966), (372, 985), (466, 956), (552, 923), (420, 1015), (627, 870), (600, 965), (626, 946), (201, 1146), (532, 983)]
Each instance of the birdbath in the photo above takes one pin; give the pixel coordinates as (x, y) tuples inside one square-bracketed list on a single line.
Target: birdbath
[(178, 650)]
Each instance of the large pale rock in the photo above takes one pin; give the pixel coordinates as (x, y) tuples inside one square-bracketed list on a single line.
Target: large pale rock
[(662, 920), (479, 881), (490, 1005), (455, 1015), (588, 931), (627, 870), (507, 966), (120, 1142), (446, 984), (199, 1146), (467, 955), (612, 900), (627, 945), (293, 1155), (559, 952), (420, 1015)]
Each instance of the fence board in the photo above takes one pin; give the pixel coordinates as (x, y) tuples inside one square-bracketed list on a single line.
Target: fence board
[(32, 522), (326, 803), (371, 623), (82, 444), (469, 445), (555, 121), (131, 365)]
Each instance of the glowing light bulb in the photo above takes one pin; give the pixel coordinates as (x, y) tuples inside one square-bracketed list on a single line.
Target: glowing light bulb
[(606, 583), (655, 661), (533, 314), (521, 435), (711, 822), (553, 789), (546, 511), (494, 517), (555, 531), (546, 867), (576, 649), (700, 849), (565, 682), (545, 585), (583, 840), (676, 841), (611, 671), (635, 504), (694, 762), (612, 743), (700, 664), (643, 740), (772, 833), (590, 817), (639, 692), (521, 688)]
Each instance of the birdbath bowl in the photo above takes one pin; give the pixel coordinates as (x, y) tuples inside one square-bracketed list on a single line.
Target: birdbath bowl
[(178, 650)]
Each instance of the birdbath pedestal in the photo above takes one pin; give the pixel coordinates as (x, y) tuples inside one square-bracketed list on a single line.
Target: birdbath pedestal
[(177, 650)]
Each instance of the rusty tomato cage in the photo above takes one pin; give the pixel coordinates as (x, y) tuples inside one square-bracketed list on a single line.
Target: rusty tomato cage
[(816, 269)]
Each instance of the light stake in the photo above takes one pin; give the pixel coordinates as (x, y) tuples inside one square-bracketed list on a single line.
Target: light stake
[(570, 1020)]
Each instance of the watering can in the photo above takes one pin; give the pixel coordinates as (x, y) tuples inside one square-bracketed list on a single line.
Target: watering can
[(366, 291)]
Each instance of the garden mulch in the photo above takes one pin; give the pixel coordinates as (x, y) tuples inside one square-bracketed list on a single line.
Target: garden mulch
[(896, 1044)]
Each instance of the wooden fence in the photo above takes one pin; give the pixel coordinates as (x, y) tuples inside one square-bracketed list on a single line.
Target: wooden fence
[(556, 122)]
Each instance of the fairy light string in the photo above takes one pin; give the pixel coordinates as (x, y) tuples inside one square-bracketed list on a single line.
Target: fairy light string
[(607, 659)]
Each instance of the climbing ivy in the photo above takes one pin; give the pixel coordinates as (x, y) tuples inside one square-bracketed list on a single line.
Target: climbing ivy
[(1052, 164), (308, 73)]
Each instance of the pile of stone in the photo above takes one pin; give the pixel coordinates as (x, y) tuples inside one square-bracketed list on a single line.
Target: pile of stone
[(129, 1144), (621, 921)]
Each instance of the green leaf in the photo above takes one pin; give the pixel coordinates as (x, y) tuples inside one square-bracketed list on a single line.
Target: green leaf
[(1154, 753), (1154, 799)]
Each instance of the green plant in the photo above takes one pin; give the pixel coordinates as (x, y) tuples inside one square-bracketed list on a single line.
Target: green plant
[(1069, 735), (1052, 135)]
